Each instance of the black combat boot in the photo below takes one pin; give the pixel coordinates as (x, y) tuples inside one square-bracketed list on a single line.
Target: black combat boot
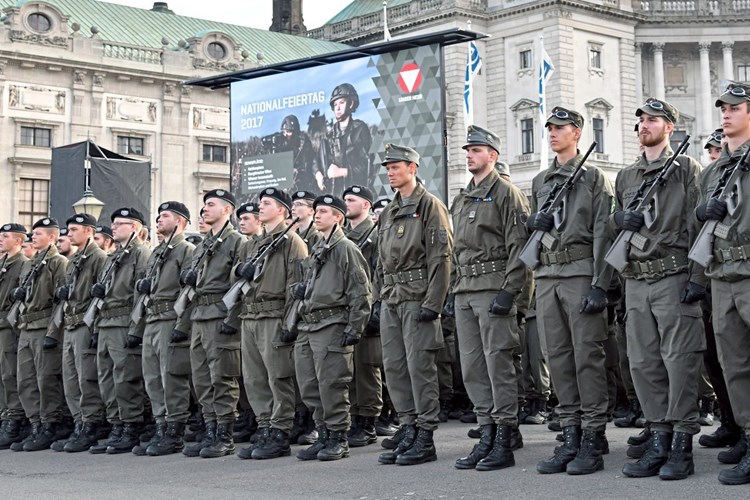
[(159, 431), (422, 451), (474, 433), (85, 439), (298, 425), (706, 411), (680, 464), (337, 447), (386, 424), (44, 438), (564, 454), (727, 434), (481, 449), (131, 432), (589, 457), (392, 442), (553, 422), (739, 474), (641, 443), (263, 435), (12, 434), (171, 442), (311, 453), (277, 445), (501, 455), (64, 428), (365, 433), (36, 429), (59, 445), (209, 436), (634, 411), (642, 437), (115, 434), (408, 434), (354, 425), (735, 453), (656, 456), (223, 445), (308, 433), (148, 432), (196, 431), (535, 415)]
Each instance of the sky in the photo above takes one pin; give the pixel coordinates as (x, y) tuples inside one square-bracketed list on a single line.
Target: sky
[(253, 13)]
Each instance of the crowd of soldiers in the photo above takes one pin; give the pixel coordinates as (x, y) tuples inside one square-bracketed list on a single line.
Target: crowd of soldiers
[(326, 320)]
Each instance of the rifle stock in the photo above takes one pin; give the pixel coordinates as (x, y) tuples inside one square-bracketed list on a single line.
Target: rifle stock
[(15, 308)]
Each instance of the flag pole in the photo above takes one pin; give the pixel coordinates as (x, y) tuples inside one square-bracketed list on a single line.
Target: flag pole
[(386, 32)]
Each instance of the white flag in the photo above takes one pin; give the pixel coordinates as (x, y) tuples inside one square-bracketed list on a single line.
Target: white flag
[(546, 68), (473, 65)]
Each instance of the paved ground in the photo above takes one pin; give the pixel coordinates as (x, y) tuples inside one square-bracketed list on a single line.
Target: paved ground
[(47, 474)]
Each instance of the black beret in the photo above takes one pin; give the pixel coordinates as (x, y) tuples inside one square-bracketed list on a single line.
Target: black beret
[(46, 222), (303, 195), (176, 207), (330, 201), (195, 239), (359, 191), (277, 195), (28, 238), (82, 220), (247, 208), (382, 203), (128, 213), (221, 194), (13, 228), (63, 231), (105, 231)]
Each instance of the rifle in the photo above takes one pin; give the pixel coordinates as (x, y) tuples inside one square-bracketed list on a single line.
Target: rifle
[(14, 309), (58, 314), (242, 286), (645, 201), (188, 292), (554, 204), (363, 242), (137, 313), (728, 190), (96, 302)]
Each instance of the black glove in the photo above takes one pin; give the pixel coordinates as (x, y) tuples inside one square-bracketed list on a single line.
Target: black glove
[(143, 285), (426, 315), (693, 292), (348, 339), (520, 319), (49, 343), (177, 336), (287, 336), (94, 341), (373, 325), (19, 294), (62, 293), (713, 209), (298, 290), (594, 302), (226, 329), (98, 291), (539, 221), (132, 341), (629, 220), (502, 303), (246, 270), (449, 309), (189, 278)]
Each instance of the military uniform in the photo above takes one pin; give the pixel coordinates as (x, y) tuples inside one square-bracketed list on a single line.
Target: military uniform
[(351, 145), (310, 236), (412, 279)]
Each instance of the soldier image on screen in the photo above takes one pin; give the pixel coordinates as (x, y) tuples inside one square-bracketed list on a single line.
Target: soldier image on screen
[(305, 165), (349, 143)]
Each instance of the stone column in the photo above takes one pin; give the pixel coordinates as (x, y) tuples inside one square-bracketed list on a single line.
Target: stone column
[(706, 121), (726, 48), (658, 49), (638, 74)]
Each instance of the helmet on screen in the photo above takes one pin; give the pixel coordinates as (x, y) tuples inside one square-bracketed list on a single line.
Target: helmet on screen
[(290, 123), (348, 91)]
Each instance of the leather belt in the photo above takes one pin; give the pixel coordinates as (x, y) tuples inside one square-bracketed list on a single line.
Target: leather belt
[(732, 254), (259, 307), (566, 256), (405, 276), (35, 316), (321, 314), (480, 268), (74, 320), (114, 313), (160, 307), (658, 266), (209, 299)]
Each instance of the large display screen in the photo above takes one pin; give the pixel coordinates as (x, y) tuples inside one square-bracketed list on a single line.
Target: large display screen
[(324, 128)]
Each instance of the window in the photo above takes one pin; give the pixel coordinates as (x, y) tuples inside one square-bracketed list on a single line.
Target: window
[(130, 145), (39, 22), (214, 153), (33, 136), (743, 73), (595, 57), (676, 139), (33, 200), (527, 136), (598, 125), (216, 51), (525, 59)]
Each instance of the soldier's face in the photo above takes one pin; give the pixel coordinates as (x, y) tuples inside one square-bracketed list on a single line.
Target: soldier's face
[(302, 209), (167, 222), (326, 217), (653, 129), (77, 236), (400, 173), (735, 119), (714, 153), (376, 214), (9, 242), (249, 224), (341, 107), (28, 250), (480, 158), (355, 206), (63, 245), (122, 228), (42, 238), (563, 137), (270, 210), (101, 241), (215, 210), (203, 228)]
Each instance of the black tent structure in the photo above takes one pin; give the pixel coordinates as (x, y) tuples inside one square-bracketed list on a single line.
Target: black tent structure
[(116, 180)]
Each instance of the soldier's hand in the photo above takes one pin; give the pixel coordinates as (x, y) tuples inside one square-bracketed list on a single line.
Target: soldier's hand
[(595, 302), (426, 315), (177, 336), (321, 181), (298, 290), (49, 343), (19, 294), (143, 285), (226, 329), (449, 309), (540, 221), (693, 292), (287, 336), (629, 220), (94, 342), (189, 278), (373, 324), (502, 303), (349, 339), (245, 270), (713, 209), (132, 341), (520, 319), (98, 291), (62, 293)]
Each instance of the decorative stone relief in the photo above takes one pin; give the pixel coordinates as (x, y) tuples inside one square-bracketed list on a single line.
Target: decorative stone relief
[(36, 98), (53, 41), (206, 118), (215, 65), (131, 109)]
